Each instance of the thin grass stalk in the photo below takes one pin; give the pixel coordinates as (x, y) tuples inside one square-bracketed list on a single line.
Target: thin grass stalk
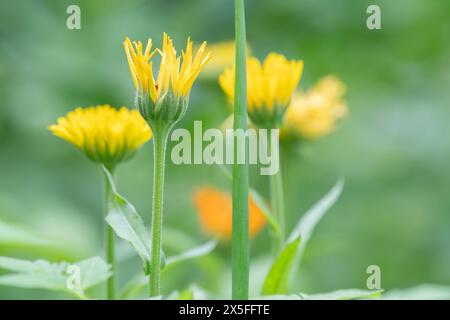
[(240, 233)]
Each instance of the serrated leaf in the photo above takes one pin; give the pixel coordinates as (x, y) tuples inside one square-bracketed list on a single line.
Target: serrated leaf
[(277, 280), (127, 223)]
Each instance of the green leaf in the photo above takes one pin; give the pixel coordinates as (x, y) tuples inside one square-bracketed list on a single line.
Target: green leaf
[(17, 265), (199, 251), (43, 274), (33, 274), (344, 294), (421, 292), (14, 235), (187, 294), (289, 258), (127, 223), (311, 218), (139, 282), (93, 271), (277, 280), (279, 297)]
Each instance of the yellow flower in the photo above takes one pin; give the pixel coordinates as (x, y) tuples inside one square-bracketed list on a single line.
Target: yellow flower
[(104, 134), (224, 57), (175, 78), (270, 86), (215, 211), (315, 113)]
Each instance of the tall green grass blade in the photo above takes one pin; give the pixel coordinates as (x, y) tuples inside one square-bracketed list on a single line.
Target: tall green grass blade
[(260, 201), (240, 236)]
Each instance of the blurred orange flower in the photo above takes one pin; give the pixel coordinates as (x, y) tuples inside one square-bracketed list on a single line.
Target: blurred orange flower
[(214, 208)]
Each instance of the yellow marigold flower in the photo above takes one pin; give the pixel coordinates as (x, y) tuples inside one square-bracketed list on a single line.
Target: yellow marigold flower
[(270, 86), (169, 92), (104, 134), (215, 211), (315, 113)]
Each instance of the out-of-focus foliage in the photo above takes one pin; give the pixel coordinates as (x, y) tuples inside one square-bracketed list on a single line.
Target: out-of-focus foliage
[(393, 148)]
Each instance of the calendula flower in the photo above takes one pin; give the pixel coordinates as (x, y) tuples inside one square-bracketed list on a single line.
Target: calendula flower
[(162, 102), (270, 86), (315, 113), (104, 134), (166, 96), (215, 211)]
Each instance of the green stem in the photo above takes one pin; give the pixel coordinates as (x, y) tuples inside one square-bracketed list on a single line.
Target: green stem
[(240, 236), (277, 200), (109, 237), (277, 195), (159, 153)]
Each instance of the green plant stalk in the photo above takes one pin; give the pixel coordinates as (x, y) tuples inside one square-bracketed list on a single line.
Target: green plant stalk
[(240, 233), (109, 237), (277, 201), (159, 154)]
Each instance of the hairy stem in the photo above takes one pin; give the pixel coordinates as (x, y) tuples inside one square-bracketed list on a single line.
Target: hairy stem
[(109, 238), (159, 153)]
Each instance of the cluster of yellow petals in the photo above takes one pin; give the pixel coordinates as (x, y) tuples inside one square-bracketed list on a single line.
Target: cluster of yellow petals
[(269, 84), (104, 134), (315, 113), (176, 73), (214, 208)]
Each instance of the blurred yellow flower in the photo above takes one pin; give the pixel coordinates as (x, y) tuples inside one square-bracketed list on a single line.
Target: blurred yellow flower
[(223, 54), (315, 113), (176, 73), (270, 86), (215, 211), (104, 134)]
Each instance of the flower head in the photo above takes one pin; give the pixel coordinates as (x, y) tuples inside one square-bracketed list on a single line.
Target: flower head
[(167, 95), (215, 211), (270, 86), (315, 113), (104, 134)]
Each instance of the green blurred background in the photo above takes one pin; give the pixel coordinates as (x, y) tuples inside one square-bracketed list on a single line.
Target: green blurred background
[(393, 149)]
